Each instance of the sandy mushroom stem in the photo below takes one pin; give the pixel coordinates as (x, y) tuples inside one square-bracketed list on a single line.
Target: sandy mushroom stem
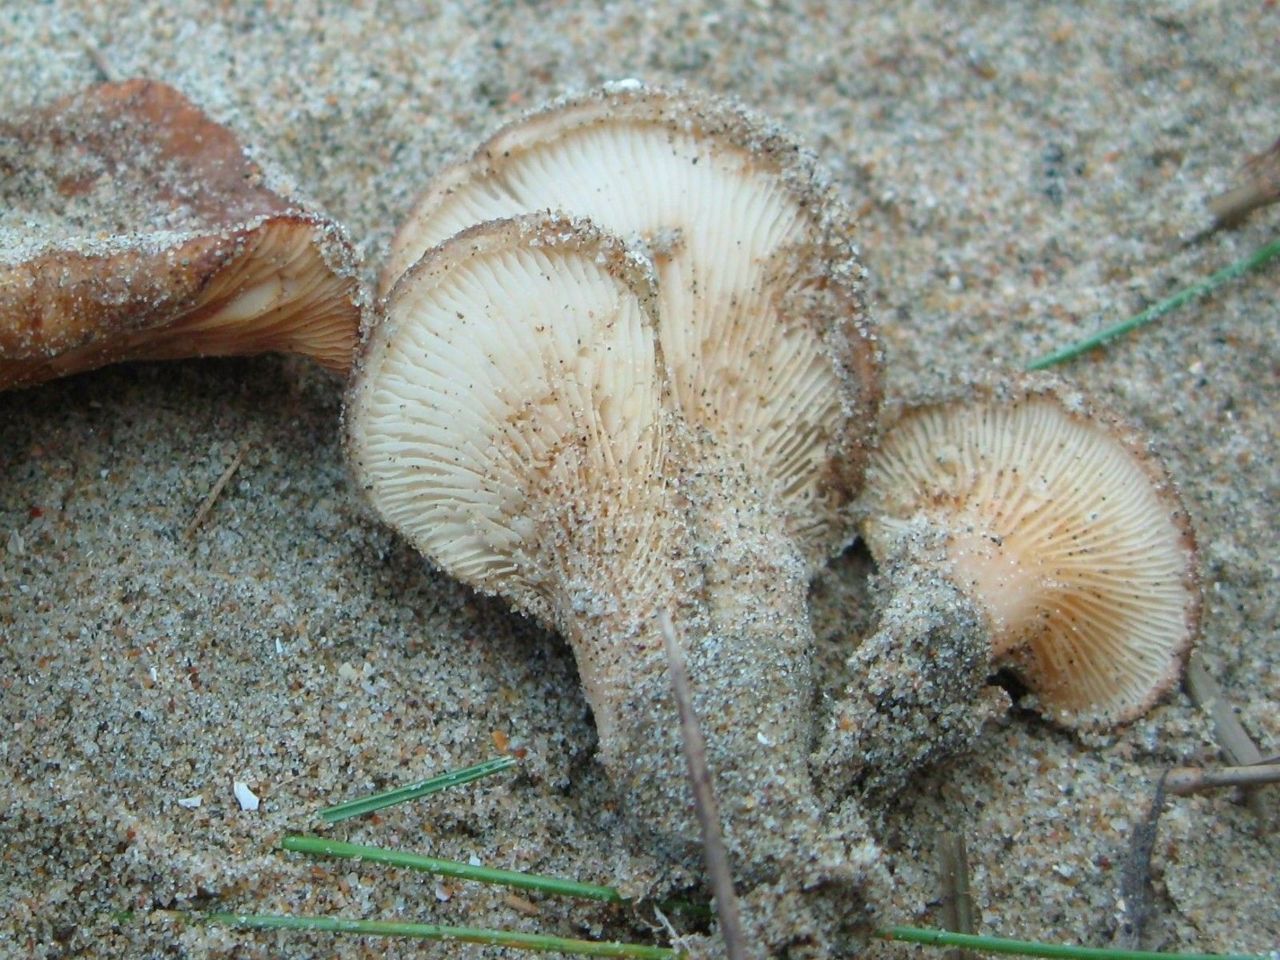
[(738, 591), (919, 693)]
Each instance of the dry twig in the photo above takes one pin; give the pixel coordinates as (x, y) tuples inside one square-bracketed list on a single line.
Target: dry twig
[(1231, 736), (1185, 780), (704, 800), (218, 486), (1259, 186), (958, 913)]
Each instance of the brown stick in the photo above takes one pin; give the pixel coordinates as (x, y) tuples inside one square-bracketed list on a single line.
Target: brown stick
[(1184, 780), (704, 800), (1231, 736), (957, 900), (1259, 187), (212, 498)]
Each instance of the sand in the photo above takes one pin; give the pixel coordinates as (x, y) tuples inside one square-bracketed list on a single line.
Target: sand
[(1021, 176)]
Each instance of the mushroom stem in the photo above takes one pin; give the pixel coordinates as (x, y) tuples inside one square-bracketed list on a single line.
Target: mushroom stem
[(738, 586), (751, 656), (919, 693)]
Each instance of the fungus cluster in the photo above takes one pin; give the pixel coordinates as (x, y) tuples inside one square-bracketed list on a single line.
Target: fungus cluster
[(658, 398), (134, 227), (624, 368)]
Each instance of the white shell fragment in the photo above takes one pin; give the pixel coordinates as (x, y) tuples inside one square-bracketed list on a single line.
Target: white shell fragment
[(247, 799), (1063, 528), (192, 802)]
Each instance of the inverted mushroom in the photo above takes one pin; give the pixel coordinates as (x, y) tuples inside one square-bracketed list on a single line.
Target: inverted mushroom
[(511, 416), (1063, 529), (134, 227), (741, 428), (768, 378)]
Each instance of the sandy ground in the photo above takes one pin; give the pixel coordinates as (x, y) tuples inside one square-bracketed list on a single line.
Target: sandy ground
[(1022, 174)]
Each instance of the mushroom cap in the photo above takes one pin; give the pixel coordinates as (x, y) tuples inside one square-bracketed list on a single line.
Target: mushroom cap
[(506, 415), (1063, 527), (134, 227), (763, 331)]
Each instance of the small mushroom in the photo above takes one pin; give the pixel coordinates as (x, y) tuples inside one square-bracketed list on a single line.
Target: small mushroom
[(511, 415), (1063, 529), (134, 227), (507, 418)]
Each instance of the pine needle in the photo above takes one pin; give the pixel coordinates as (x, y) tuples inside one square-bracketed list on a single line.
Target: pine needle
[(377, 801), (1155, 312), (1030, 948), (1227, 729), (704, 800), (957, 898), (431, 931), (212, 497), (1135, 879), (554, 886)]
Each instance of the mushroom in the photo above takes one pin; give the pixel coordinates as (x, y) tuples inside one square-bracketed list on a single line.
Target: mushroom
[(134, 227), (507, 417), (768, 378), (1057, 522), (512, 416)]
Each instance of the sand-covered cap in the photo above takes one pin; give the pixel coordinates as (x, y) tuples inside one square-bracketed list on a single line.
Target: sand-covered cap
[(1063, 527), (764, 336), (134, 227)]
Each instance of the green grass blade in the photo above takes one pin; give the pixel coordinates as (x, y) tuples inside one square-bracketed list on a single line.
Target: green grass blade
[(1029, 948), (431, 931), (1155, 312), (318, 846), (363, 805)]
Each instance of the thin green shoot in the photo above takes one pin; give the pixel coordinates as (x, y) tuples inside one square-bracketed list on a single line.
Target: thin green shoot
[(430, 931), (1156, 311), (377, 801), (553, 886), (1029, 948)]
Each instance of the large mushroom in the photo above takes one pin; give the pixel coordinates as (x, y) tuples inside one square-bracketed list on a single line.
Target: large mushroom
[(134, 227), (1057, 522), (601, 478)]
